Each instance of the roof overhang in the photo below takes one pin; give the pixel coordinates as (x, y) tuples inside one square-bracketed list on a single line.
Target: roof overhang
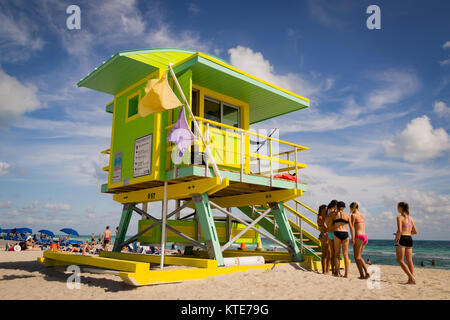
[(266, 100)]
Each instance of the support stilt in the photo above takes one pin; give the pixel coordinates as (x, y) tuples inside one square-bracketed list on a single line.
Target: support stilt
[(123, 226), (285, 231), (208, 227)]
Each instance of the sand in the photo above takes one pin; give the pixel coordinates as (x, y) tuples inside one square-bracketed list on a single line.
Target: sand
[(22, 277)]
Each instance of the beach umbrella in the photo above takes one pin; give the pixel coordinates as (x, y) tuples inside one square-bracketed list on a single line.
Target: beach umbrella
[(24, 230), (47, 232), (70, 231)]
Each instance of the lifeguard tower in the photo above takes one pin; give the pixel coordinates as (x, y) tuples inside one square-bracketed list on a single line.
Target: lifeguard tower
[(228, 169)]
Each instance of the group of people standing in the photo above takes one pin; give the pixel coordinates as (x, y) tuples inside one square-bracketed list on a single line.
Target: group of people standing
[(334, 226)]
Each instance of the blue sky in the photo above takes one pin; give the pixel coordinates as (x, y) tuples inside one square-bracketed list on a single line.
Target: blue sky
[(377, 126)]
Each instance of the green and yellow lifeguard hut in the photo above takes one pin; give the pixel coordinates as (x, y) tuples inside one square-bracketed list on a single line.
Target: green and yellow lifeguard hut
[(228, 166)]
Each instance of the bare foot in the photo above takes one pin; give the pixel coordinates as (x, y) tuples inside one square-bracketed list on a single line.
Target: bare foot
[(367, 276), (411, 281)]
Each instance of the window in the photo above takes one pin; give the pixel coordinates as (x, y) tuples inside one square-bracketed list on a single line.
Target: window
[(132, 106), (212, 110), (222, 112)]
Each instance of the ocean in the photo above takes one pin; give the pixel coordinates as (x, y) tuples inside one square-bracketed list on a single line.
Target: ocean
[(378, 251)]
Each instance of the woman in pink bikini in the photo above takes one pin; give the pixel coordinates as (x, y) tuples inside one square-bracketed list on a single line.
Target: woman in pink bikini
[(404, 242), (360, 239)]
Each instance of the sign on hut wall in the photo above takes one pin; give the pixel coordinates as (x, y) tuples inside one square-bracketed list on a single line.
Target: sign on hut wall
[(142, 160)]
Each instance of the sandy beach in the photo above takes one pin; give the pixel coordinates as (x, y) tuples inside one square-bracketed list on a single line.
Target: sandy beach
[(22, 277)]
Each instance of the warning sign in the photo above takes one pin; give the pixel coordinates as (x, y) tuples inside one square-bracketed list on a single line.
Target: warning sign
[(142, 160)]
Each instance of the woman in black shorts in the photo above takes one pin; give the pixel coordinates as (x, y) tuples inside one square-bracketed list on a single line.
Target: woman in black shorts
[(404, 242), (341, 220)]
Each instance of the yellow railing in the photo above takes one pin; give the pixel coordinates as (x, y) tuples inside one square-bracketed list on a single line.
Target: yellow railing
[(231, 149)]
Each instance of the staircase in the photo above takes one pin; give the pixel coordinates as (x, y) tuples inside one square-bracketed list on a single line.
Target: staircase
[(308, 244)]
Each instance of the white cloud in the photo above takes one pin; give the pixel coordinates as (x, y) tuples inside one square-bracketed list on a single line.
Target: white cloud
[(4, 168), (104, 23), (441, 109), (418, 142), (58, 206), (254, 63), (65, 128), (193, 8), (18, 36), (164, 36), (391, 87), (330, 13), (430, 210), (446, 62), (6, 204), (16, 98), (395, 85)]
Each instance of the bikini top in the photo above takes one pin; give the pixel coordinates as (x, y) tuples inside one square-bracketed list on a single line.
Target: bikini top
[(340, 220), (360, 221), (408, 225)]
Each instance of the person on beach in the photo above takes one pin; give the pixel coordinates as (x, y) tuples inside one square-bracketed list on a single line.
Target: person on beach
[(106, 238), (360, 242), (404, 242), (100, 238), (331, 208), (340, 222), (323, 237), (92, 237)]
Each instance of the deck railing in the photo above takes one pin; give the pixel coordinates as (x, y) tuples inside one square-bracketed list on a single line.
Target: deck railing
[(245, 151)]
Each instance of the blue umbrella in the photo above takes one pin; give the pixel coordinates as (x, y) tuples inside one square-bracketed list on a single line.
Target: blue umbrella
[(70, 231), (47, 232), (24, 230)]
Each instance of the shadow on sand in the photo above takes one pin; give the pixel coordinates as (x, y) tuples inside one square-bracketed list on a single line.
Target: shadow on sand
[(57, 274)]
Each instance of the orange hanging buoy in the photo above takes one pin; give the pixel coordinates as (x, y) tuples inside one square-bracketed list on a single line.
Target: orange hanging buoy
[(243, 246)]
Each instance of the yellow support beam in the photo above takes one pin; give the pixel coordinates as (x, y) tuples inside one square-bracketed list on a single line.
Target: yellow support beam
[(174, 191), (170, 260), (167, 276), (257, 198), (268, 255), (95, 261), (52, 263)]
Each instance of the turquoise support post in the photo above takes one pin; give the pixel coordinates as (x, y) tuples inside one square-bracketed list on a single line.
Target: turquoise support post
[(285, 231), (208, 227), (123, 226)]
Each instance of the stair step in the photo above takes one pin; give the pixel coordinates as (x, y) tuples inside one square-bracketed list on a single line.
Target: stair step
[(304, 240)]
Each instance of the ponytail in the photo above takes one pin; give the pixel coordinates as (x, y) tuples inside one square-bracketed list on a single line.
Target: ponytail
[(405, 207)]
